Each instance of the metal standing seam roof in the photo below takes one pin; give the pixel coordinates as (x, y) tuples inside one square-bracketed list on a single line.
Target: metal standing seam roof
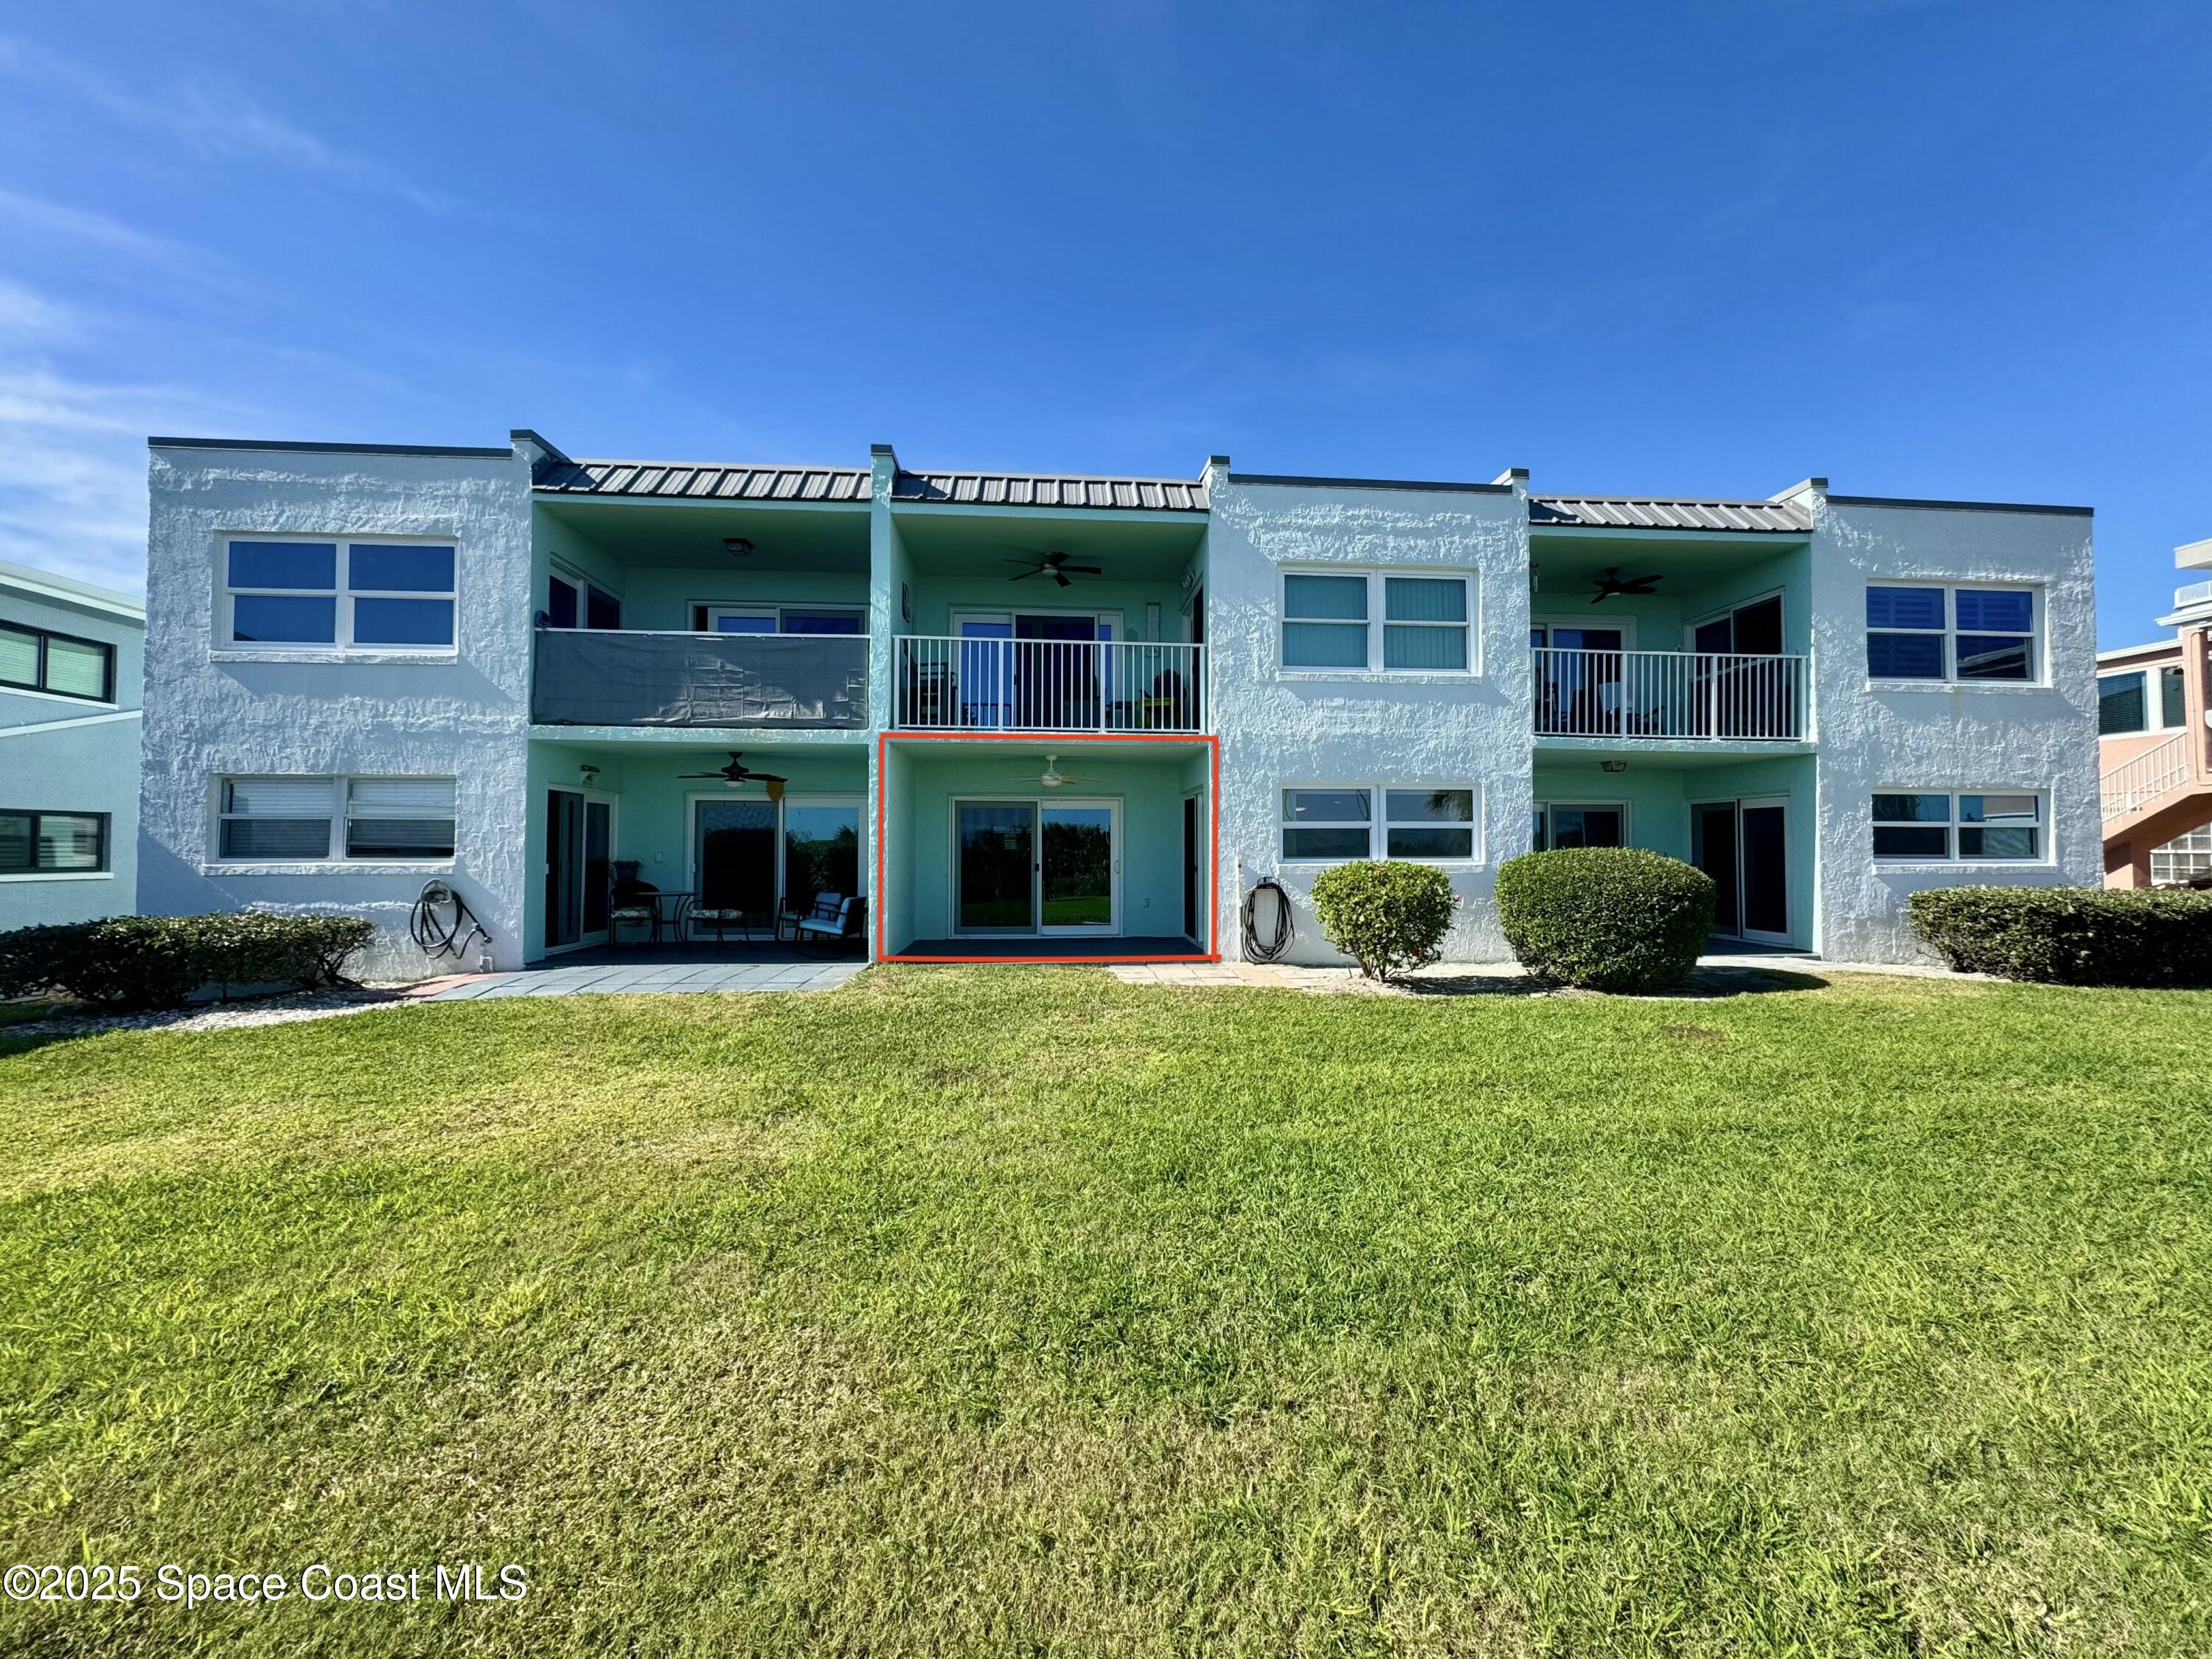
[(1051, 490), (1661, 513), (696, 481)]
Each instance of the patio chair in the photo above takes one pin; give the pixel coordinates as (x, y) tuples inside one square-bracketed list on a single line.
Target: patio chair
[(633, 903), (719, 920), (831, 929)]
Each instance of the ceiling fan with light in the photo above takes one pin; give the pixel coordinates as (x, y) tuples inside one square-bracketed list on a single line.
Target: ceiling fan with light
[(1055, 565), (738, 771), (1613, 582), (1053, 778)]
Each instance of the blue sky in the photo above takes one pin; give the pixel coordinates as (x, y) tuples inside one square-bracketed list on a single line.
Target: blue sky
[(1938, 249)]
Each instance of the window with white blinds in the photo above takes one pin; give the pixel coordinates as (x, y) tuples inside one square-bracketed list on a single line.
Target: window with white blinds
[(399, 819), (302, 819)]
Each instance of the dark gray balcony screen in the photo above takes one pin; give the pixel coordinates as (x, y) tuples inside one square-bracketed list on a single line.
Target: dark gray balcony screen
[(587, 677)]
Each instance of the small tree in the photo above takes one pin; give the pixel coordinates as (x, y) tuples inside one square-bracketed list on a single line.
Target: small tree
[(1386, 916)]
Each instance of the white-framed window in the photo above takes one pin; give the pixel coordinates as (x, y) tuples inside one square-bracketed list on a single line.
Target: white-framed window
[(1378, 622), (1335, 824), (783, 619), (1952, 633), (1436, 825), (2186, 858), (575, 601), (338, 594), (34, 843), (2148, 699), (1935, 826), (1580, 823), (361, 819)]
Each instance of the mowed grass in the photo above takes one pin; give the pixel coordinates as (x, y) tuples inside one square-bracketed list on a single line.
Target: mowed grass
[(1013, 1312)]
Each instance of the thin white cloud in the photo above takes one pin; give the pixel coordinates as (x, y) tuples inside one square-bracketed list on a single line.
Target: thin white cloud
[(215, 118), (39, 216), (73, 495)]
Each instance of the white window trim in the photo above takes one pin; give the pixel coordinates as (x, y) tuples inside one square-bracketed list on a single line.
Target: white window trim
[(1953, 860), (340, 801), (1385, 823), (2154, 675), (1376, 621), (776, 610), (2039, 678), (1378, 824), (1283, 823), (342, 648), (1627, 823)]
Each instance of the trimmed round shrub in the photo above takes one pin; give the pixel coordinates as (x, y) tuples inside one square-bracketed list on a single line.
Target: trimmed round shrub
[(2069, 935), (1387, 915), (1605, 918), (157, 961)]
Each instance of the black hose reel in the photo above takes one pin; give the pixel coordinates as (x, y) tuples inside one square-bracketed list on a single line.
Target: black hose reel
[(443, 925), (1277, 944)]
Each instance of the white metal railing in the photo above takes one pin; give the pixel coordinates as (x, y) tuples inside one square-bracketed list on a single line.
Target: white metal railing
[(965, 685), (1669, 694), (2135, 784)]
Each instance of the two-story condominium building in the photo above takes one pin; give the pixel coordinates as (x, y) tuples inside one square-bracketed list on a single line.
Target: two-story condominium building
[(69, 673), (1057, 717), (2154, 743)]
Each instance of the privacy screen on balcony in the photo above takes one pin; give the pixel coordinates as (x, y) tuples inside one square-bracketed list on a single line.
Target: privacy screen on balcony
[(588, 677)]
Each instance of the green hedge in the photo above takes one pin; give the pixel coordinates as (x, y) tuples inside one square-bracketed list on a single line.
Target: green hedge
[(157, 961), (2069, 935), (1387, 915), (1605, 918)]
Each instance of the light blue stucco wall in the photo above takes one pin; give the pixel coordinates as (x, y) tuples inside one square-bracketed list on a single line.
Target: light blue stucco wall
[(1992, 736), (1279, 728), (212, 712), (65, 754)]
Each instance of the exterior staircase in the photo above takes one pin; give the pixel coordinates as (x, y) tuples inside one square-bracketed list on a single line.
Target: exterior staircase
[(2148, 799)]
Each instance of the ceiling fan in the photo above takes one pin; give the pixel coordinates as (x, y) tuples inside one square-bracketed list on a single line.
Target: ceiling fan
[(738, 771), (1052, 777), (1056, 565), (1612, 583)]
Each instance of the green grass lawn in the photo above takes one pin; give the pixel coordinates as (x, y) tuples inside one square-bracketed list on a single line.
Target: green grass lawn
[(1001, 1310)]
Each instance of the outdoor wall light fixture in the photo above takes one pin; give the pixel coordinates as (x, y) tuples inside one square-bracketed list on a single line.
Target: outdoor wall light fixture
[(1613, 766), (736, 547), (589, 773)]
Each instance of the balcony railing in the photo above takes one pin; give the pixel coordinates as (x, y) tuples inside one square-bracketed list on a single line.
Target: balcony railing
[(2157, 772), (1698, 694), (1049, 685), (606, 677)]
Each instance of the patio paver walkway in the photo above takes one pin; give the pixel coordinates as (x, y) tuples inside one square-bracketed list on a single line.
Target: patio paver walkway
[(602, 980)]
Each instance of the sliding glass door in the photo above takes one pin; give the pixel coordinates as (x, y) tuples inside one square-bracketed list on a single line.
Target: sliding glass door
[(1048, 867), (761, 857), (1744, 846)]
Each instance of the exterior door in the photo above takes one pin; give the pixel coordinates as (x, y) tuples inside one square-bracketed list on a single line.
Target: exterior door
[(1765, 842), (1190, 873), (1744, 846), (1079, 868), (579, 846), (1713, 850), (734, 857), (994, 867)]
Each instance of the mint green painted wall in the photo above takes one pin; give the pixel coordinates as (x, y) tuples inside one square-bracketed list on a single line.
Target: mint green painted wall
[(1657, 616), (1789, 571), (936, 597), (1660, 798), (1657, 816), (1788, 775), (1150, 793)]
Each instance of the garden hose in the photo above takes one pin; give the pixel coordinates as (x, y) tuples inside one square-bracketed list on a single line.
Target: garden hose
[(438, 935), (1285, 927)]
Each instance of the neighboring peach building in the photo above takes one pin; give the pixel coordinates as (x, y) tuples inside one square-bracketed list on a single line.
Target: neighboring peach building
[(2155, 745)]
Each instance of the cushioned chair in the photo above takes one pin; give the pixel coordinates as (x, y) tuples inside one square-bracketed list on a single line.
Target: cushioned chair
[(719, 920), (633, 904), (834, 924)]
